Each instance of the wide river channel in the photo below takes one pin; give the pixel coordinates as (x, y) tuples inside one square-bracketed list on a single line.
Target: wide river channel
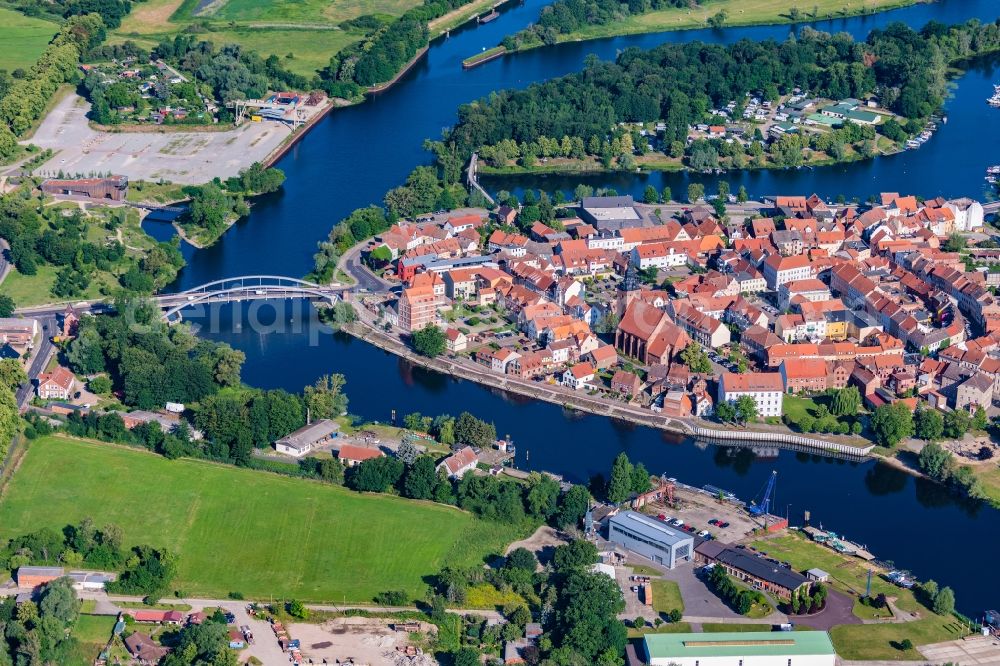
[(356, 154)]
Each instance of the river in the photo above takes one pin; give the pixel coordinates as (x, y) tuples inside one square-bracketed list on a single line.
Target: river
[(355, 155)]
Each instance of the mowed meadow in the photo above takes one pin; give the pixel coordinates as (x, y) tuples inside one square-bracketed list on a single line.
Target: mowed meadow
[(23, 39), (238, 530)]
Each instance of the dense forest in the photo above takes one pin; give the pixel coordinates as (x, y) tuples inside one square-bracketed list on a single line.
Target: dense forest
[(111, 11), (150, 363), (679, 83)]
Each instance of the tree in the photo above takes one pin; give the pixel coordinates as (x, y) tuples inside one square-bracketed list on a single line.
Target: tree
[(467, 657), (542, 498), (650, 195), (573, 506), (846, 401), (7, 305), (521, 558), (296, 608), (10, 419), (935, 461), (928, 424), (956, 423), (746, 408), (408, 451), (586, 618), (696, 359), (955, 243), (640, 479), (376, 475), (12, 374), (726, 412), (980, 421), (718, 19), (100, 385), (429, 341), (420, 478), (696, 191), (741, 195), (326, 398), (891, 424), (473, 431), (620, 484), (944, 601)]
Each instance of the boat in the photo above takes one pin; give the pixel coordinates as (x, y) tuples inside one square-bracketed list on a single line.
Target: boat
[(995, 169)]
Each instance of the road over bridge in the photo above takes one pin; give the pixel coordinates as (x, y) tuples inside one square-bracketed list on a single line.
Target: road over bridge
[(228, 290), (245, 288)]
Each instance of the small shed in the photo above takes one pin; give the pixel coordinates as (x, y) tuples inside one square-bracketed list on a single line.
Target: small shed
[(818, 575)]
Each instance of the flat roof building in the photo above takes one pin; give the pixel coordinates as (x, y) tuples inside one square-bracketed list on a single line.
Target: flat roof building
[(651, 538), (610, 213), (749, 648)]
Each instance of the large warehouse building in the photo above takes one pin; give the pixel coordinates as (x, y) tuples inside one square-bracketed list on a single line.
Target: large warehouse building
[(651, 538), (747, 648)]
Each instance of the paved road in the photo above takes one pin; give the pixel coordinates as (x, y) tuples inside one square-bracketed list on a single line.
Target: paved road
[(350, 263), (42, 355), (4, 259)]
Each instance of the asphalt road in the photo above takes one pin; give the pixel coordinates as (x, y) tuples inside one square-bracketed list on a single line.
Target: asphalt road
[(45, 349)]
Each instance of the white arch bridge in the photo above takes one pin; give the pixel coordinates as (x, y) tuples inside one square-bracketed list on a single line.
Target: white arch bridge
[(245, 288)]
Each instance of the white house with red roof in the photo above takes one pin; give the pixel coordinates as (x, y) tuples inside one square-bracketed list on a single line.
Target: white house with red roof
[(579, 376), (459, 463), (56, 385), (455, 340)]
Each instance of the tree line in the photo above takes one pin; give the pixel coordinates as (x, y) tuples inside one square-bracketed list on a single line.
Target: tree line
[(565, 16)]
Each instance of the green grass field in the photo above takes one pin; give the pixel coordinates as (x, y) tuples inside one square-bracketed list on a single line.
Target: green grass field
[(739, 13), (28, 290), (307, 29), (847, 573), (303, 11), (23, 39), (239, 530), (881, 641), (667, 596)]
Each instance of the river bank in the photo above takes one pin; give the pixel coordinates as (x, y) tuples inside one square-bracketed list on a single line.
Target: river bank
[(737, 14)]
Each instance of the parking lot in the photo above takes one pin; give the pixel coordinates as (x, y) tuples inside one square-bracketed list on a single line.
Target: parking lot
[(186, 157), (697, 509)]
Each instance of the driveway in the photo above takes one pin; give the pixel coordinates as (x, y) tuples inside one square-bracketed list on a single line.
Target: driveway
[(839, 610), (699, 601)]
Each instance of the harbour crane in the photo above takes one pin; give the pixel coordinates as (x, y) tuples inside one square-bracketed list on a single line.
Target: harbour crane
[(764, 507)]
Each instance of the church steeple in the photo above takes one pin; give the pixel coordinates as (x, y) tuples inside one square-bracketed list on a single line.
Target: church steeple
[(631, 281), (628, 290)]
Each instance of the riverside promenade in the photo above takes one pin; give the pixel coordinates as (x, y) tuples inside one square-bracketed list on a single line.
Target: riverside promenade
[(366, 330)]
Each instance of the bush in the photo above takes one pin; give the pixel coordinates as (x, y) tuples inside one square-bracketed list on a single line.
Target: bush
[(392, 598)]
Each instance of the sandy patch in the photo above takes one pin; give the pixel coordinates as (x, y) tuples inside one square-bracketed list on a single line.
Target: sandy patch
[(365, 640)]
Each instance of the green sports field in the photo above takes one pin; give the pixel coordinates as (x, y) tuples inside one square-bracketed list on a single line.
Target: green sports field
[(239, 530), (23, 38)]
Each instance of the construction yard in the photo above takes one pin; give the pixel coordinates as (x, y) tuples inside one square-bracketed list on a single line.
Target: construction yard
[(184, 157), (361, 640)]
